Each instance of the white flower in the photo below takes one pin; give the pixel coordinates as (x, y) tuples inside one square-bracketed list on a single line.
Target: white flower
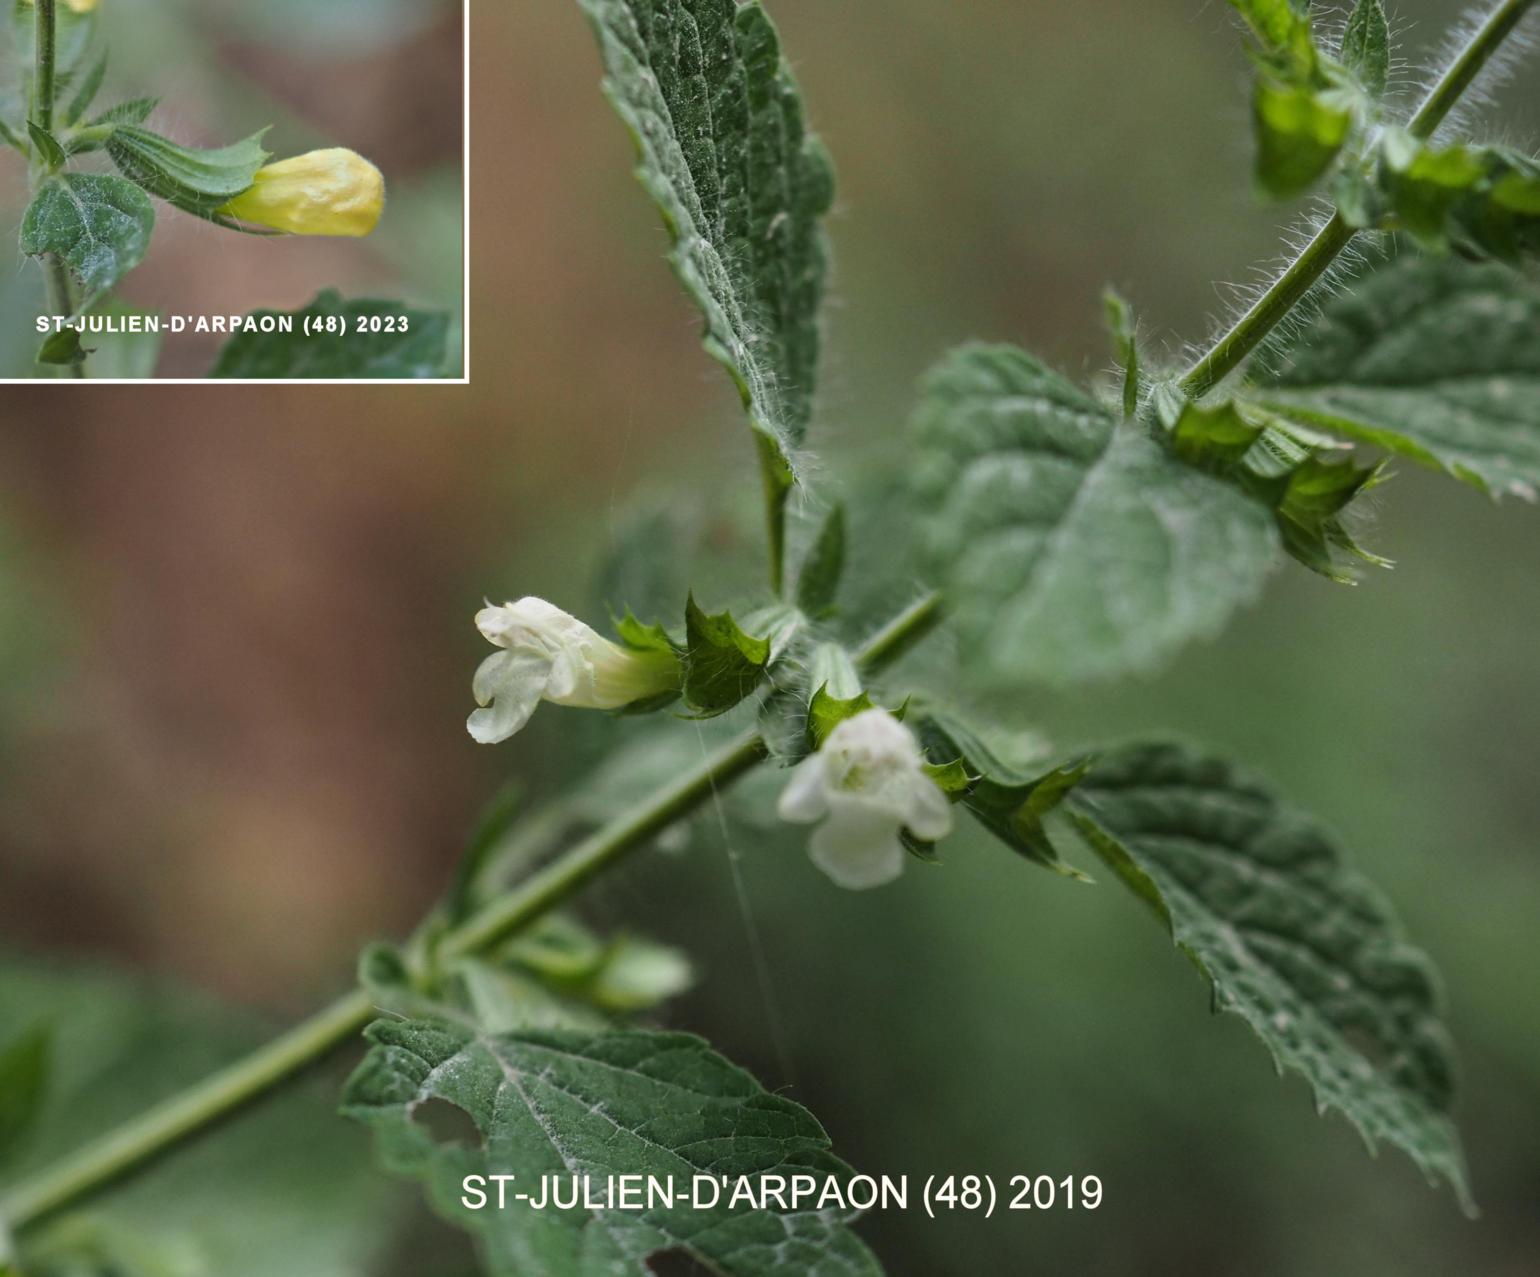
[(869, 781), (549, 655)]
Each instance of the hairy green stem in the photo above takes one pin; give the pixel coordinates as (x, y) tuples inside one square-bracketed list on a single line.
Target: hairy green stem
[(1247, 333), (173, 1121), (176, 1120), (1469, 63), (61, 301), (1231, 350), (43, 73)]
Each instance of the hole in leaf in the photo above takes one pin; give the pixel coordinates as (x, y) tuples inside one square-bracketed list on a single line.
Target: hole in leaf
[(447, 1123)]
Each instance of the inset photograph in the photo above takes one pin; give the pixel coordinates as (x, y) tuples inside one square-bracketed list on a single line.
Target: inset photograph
[(213, 190)]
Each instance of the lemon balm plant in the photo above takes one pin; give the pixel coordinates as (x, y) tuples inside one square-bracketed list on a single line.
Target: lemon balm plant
[(88, 229), (1066, 533)]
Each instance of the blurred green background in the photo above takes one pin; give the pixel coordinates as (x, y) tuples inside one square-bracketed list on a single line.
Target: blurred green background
[(237, 647), (382, 77)]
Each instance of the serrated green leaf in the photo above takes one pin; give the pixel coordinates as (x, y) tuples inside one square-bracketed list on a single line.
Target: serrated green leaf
[(98, 226), (1295, 943), (24, 1072), (560, 1104), (1067, 547), (1366, 46), (1286, 467), (197, 181), (819, 578), (355, 339), (1300, 132), (1432, 359), (722, 664), (46, 145), (725, 154), (1008, 800)]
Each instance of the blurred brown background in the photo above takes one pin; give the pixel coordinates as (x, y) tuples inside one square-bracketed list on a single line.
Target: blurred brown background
[(236, 641)]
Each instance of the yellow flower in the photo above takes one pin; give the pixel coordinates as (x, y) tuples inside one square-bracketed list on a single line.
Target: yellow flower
[(77, 6), (330, 192)]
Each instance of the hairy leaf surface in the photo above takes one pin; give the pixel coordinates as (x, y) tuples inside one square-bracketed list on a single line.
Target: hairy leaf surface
[(1366, 46), (1294, 942), (1009, 799), (563, 1103), (725, 154), (98, 226), (1433, 359), (1068, 547)]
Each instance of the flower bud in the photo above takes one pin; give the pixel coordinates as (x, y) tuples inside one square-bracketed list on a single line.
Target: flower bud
[(867, 784), (549, 655), (330, 192)]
